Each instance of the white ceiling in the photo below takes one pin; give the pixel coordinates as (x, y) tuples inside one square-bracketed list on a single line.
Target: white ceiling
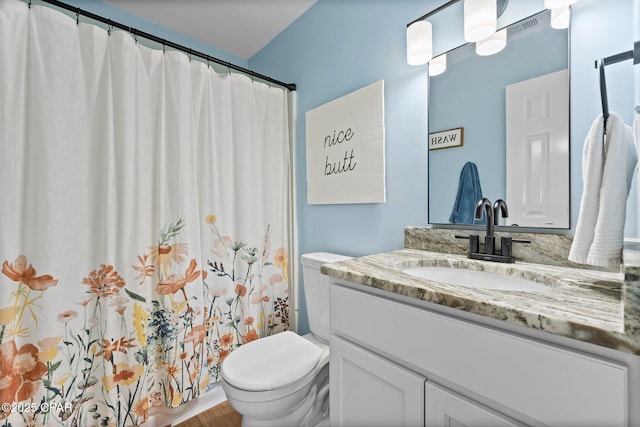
[(238, 27)]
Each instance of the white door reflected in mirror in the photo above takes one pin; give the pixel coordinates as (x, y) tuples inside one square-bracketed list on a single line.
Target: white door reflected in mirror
[(537, 121)]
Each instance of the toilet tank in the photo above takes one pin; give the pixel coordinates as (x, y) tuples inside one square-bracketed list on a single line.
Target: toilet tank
[(316, 291)]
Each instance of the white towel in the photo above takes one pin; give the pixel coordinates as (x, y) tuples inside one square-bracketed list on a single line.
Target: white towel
[(607, 172)]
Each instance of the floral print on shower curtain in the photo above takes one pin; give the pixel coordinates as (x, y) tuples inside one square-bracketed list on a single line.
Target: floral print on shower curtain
[(144, 223), (167, 350)]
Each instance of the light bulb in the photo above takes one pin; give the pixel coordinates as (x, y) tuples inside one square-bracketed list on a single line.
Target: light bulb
[(493, 44), (438, 65), (419, 44), (560, 17), (479, 19)]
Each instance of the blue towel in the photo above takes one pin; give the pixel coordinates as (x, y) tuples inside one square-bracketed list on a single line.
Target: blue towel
[(469, 192)]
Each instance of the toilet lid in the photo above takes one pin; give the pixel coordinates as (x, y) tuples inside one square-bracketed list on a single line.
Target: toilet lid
[(271, 362)]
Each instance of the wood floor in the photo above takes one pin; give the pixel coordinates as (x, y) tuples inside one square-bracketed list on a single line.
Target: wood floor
[(222, 415)]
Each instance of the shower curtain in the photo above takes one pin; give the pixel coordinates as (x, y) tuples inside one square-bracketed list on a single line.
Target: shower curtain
[(144, 222)]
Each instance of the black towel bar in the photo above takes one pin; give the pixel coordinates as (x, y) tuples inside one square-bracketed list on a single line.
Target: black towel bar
[(603, 62), (622, 56)]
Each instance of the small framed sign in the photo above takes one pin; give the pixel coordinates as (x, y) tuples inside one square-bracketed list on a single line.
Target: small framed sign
[(446, 139)]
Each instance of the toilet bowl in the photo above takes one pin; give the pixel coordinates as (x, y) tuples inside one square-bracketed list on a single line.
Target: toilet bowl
[(283, 379), (279, 381)]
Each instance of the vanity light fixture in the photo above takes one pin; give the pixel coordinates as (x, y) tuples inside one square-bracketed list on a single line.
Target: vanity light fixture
[(555, 4), (438, 65), (492, 44), (480, 20), (419, 43), (560, 17)]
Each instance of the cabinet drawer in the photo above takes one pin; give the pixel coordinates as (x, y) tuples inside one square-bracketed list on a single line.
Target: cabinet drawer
[(548, 383)]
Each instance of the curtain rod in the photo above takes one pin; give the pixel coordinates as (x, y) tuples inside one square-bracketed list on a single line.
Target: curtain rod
[(167, 43)]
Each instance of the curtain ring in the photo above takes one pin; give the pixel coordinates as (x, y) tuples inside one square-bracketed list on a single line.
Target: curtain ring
[(164, 46), (190, 55), (135, 35), (29, 4), (78, 16), (109, 26)]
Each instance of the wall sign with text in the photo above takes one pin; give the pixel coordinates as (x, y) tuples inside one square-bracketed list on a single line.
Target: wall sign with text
[(345, 149), (446, 139)]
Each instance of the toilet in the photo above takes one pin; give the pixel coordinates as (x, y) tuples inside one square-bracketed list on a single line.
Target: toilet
[(283, 379)]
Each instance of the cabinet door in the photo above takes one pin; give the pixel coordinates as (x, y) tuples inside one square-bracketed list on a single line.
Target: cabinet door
[(368, 390), (443, 408)]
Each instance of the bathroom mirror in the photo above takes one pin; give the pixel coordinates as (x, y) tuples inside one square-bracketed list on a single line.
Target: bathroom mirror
[(510, 115)]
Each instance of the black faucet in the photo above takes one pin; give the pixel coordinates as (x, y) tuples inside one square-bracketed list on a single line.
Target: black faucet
[(500, 205), (492, 214), (489, 239)]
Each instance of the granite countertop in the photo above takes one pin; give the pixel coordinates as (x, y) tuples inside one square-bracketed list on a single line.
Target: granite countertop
[(598, 307)]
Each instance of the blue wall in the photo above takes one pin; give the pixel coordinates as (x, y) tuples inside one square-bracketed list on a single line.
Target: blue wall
[(339, 46), (335, 48)]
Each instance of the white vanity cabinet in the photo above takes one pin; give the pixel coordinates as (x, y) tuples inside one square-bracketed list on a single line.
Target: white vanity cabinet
[(373, 391), (395, 363)]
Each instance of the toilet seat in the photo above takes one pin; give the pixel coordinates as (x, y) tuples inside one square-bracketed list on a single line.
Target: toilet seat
[(271, 362)]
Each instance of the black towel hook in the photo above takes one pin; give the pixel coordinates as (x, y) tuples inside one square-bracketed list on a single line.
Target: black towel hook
[(603, 93)]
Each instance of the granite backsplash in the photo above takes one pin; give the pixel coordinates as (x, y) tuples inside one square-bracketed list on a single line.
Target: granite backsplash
[(548, 249)]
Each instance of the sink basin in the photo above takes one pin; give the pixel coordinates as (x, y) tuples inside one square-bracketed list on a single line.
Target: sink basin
[(474, 279)]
